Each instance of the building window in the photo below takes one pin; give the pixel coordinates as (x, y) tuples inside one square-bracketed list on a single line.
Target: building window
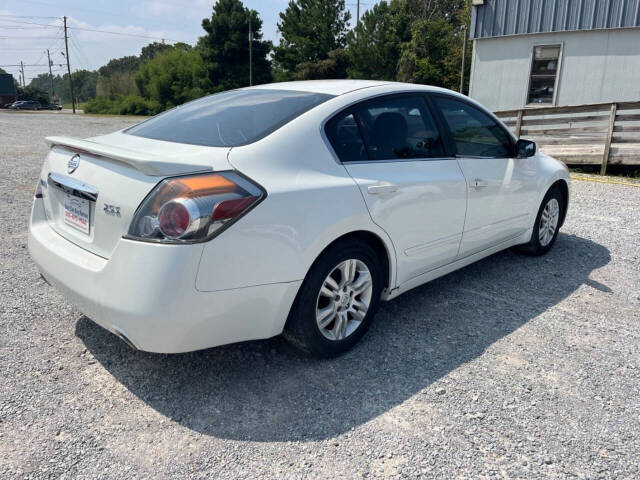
[(544, 71)]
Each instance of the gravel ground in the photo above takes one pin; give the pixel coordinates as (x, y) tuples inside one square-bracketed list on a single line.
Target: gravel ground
[(514, 367)]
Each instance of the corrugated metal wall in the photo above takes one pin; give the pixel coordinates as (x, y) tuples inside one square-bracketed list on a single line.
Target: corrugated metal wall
[(511, 17)]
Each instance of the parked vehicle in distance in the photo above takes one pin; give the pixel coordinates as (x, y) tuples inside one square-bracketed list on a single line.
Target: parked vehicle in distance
[(52, 106), (26, 105), (285, 208)]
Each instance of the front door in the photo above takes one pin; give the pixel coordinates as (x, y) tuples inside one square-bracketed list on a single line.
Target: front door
[(501, 188), (413, 190)]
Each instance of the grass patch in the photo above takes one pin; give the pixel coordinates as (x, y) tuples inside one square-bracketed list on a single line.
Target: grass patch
[(79, 105)]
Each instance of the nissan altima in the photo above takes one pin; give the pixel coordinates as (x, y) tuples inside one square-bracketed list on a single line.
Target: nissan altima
[(290, 208)]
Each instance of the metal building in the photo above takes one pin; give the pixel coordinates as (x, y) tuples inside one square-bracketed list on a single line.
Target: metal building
[(554, 52), (8, 92)]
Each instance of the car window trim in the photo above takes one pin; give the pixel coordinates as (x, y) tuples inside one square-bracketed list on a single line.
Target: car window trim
[(449, 134), (350, 110)]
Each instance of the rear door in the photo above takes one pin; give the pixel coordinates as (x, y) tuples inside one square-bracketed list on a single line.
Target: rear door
[(392, 148), (501, 187)]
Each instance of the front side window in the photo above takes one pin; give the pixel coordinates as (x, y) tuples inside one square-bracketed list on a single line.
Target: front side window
[(229, 119), (544, 69), (474, 133)]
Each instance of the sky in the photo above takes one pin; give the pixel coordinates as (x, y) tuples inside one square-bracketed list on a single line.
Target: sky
[(29, 27)]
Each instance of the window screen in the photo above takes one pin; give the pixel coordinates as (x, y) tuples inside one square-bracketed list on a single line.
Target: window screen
[(474, 133), (229, 119), (544, 70)]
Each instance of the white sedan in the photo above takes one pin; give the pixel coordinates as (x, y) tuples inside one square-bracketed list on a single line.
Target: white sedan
[(289, 208)]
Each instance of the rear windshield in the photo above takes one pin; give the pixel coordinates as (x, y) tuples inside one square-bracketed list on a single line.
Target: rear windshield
[(229, 119)]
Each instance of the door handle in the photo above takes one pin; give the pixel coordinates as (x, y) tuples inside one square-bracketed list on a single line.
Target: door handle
[(381, 188), (479, 183)]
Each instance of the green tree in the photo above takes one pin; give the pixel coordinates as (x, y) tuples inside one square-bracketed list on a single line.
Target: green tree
[(334, 66), (42, 82), (373, 47), (425, 58), (128, 64), (310, 29), (32, 93), (173, 77), (431, 9), (225, 47), (84, 84), (151, 50)]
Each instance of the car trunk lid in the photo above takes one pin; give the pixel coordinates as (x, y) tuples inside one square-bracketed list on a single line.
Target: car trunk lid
[(91, 199)]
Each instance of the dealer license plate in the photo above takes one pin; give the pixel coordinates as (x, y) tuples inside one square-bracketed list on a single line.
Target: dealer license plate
[(76, 212)]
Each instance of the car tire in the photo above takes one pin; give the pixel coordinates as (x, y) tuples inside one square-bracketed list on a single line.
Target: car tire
[(547, 224), (308, 328)]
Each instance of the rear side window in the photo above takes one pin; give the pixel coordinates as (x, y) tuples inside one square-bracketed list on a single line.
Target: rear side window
[(229, 119), (344, 135), (474, 133), (399, 127), (385, 129)]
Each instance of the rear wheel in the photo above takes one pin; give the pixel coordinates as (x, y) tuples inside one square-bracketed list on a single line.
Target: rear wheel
[(545, 230), (337, 300)]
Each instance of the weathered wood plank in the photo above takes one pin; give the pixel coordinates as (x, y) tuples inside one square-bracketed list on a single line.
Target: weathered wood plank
[(626, 128), (562, 130), (625, 159), (573, 150), (627, 138), (567, 109), (527, 121), (567, 140), (604, 106), (628, 117), (518, 124), (628, 106), (607, 143)]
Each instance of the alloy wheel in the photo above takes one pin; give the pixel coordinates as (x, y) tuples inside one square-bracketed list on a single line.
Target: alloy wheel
[(548, 222), (344, 299)]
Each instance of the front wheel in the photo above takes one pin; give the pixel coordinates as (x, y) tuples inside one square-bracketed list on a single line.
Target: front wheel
[(545, 230), (337, 300)]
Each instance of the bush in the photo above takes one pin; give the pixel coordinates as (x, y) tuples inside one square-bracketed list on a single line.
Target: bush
[(118, 105)]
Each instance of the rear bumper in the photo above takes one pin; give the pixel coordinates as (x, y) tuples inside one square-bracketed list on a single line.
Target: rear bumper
[(146, 293)]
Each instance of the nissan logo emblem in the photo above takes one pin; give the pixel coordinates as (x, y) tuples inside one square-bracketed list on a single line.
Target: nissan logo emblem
[(73, 164)]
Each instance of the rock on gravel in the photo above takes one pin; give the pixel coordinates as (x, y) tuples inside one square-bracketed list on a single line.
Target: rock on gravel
[(514, 367)]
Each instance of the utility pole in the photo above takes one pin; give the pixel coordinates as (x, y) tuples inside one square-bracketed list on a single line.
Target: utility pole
[(66, 47), (358, 13), (50, 78), (22, 72), (250, 51), (464, 48)]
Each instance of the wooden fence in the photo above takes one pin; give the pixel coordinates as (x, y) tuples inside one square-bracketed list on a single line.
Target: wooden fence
[(600, 134)]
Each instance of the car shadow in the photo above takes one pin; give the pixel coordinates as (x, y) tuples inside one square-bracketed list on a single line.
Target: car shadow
[(267, 391)]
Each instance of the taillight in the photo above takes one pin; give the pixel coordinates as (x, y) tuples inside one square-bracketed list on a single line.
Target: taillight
[(193, 208)]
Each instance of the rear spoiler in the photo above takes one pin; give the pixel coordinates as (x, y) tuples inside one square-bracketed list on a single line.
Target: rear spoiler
[(145, 163)]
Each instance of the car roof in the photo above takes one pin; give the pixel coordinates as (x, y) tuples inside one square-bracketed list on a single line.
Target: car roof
[(334, 87)]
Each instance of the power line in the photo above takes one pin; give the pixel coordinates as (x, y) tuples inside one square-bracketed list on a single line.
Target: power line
[(22, 16), (81, 55), (125, 34), (35, 37), (27, 64)]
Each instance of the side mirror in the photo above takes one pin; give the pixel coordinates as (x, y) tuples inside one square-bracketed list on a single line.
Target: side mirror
[(525, 148)]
